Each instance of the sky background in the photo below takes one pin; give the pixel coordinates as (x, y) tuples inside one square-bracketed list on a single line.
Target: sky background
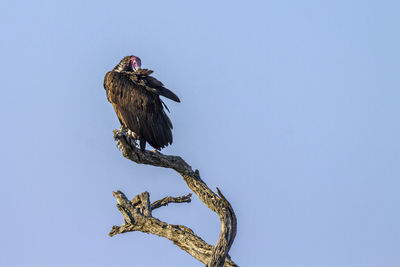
[(291, 108)]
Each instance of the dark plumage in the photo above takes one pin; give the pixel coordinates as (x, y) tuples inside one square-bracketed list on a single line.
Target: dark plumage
[(134, 95)]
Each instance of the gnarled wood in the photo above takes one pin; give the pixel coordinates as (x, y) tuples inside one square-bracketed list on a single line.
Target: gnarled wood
[(166, 200), (138, 216)]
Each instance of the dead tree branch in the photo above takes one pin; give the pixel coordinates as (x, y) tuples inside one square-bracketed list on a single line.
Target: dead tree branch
[(166, 200), (138, 212)]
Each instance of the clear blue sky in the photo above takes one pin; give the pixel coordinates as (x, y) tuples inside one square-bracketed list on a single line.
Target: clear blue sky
[(290, 107)]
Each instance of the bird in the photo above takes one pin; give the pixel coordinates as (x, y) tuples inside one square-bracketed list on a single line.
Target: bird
[(135, 96)]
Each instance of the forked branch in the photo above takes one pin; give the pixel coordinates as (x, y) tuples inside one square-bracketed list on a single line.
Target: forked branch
[(138, 212)]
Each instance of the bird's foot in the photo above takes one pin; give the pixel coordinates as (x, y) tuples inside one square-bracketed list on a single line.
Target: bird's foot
[(130, 136), (119, 145), (131, 141)]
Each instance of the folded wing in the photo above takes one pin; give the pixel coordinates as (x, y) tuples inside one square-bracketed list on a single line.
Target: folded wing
[(156, 87)]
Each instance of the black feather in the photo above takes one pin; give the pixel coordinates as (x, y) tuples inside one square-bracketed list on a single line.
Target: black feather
[(135, 98)]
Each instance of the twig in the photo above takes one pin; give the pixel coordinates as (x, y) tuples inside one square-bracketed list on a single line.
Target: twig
[(166, 200)]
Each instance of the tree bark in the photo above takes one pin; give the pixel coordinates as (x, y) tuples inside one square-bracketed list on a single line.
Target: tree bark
[(138, 212)]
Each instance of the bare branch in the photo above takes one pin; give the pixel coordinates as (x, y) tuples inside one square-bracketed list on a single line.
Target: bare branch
[(227, 235), (166, 200), (182, 236), (215, 257), (145, 200)]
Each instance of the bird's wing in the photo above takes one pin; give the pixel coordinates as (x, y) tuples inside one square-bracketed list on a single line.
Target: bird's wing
[(138, 109), (142, 77), (155, 86)]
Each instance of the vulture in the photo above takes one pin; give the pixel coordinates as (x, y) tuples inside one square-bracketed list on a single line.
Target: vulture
[(135, 96)]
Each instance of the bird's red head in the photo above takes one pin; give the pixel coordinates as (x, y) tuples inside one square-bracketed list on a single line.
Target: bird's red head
[(135, 63)]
